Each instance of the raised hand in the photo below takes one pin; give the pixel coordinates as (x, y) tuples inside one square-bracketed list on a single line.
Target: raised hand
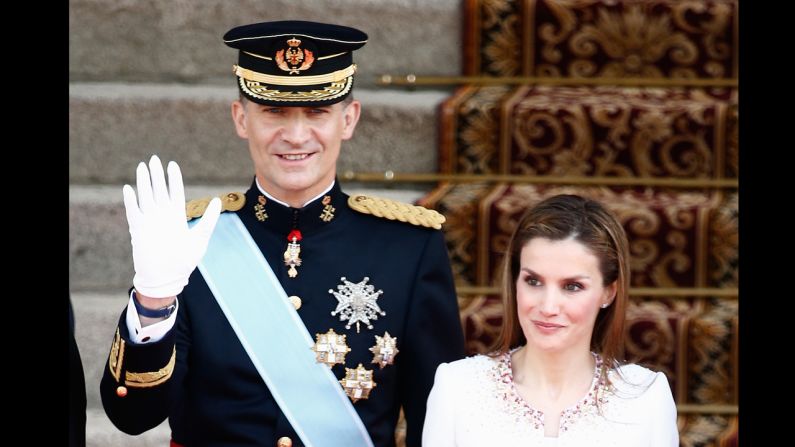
[(165, 250)]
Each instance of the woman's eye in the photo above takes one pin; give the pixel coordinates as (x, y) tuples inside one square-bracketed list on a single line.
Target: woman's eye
[(533, 281), (573, 287)]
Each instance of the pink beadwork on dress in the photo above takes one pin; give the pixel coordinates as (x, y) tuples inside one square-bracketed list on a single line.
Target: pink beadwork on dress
[(522, 411)]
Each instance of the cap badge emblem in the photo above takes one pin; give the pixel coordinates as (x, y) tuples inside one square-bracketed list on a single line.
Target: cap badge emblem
[(294, 59)]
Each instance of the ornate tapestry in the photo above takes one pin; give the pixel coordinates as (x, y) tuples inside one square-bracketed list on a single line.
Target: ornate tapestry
[(680, 237)]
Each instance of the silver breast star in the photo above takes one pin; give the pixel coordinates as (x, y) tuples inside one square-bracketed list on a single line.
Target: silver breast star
[(356, 303)]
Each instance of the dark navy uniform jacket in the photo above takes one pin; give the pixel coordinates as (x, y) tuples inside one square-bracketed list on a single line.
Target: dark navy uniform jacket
[(77, 389), (215, 396)]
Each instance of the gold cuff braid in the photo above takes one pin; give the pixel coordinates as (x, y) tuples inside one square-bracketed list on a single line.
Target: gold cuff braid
[(134, 379), (116, 356), (149, 379)]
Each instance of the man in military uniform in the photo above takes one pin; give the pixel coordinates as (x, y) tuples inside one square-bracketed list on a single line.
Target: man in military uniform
[(361, 285)]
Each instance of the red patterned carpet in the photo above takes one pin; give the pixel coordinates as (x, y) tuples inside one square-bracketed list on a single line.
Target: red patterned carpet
[(684, 236)]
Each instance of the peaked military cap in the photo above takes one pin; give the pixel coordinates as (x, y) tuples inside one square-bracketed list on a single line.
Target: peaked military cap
[(295, 63)]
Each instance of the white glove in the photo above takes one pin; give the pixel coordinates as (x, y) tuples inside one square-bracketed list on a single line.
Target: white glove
[(165, 250)]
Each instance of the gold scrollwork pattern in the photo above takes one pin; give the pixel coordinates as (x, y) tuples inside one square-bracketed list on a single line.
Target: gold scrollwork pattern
[(732, 141), (712, 367), (587, 38), (481, 318), (650, 339), (458, 203), (496, 37), (724, 244), (655, 327), (611, 131), (478, 135), (697, 430), (665, 229)]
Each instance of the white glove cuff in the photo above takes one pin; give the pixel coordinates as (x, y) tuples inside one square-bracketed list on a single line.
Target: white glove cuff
[(160, 291)]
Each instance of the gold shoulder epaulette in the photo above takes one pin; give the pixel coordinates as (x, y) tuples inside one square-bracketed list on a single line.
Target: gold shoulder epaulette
[(394, 210), (232, 201)]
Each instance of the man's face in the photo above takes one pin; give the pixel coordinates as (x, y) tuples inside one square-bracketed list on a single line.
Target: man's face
[(295, 149)]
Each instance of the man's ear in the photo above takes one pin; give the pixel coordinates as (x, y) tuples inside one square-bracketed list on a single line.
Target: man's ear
[(351, 114), (239, 118)]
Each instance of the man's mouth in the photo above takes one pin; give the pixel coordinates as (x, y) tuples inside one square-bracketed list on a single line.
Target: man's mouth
[(294, 157)]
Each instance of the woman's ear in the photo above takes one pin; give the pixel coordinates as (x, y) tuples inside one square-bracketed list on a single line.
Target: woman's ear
[(610, 294)]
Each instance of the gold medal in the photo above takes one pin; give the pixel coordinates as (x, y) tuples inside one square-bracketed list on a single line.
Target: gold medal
[(385, 350), (328, 210), (358, 383), (259, 209), (330, 348), (291, 255)]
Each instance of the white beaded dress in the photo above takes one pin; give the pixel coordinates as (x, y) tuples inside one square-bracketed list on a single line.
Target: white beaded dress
[(474, 402)]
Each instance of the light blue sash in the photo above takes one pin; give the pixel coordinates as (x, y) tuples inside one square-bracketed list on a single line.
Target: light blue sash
[(276, 339)]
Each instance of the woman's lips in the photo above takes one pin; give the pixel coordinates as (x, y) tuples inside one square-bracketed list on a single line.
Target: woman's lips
[(546, 327)]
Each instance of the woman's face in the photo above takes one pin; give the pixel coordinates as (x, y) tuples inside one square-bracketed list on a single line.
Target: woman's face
[(559, 291)]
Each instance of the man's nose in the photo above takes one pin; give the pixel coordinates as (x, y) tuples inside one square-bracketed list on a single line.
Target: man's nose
[(296, 131)]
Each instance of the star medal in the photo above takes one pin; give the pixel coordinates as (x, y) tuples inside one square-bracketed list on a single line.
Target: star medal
[(356, 302), (291, 255), (358, 383), (385, 350), (330, 348)]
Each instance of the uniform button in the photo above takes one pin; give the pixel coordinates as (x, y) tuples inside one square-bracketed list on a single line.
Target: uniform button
[(284, 441), (296, 301)]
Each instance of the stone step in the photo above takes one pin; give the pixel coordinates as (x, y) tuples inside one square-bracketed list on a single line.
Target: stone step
[(96, 316), (181, 41), (113, 126), (100, 256), (100, 432)]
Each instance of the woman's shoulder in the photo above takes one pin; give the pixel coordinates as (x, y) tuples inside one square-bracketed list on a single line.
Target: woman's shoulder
[(473, 363), (474, 367), (635, 371), (633, 380), (471, 379)]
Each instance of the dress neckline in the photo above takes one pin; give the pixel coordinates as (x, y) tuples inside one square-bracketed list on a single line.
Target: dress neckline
[(569, 415)]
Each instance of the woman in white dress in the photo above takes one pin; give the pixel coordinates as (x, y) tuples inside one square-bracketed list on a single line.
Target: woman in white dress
[(554, 378)]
